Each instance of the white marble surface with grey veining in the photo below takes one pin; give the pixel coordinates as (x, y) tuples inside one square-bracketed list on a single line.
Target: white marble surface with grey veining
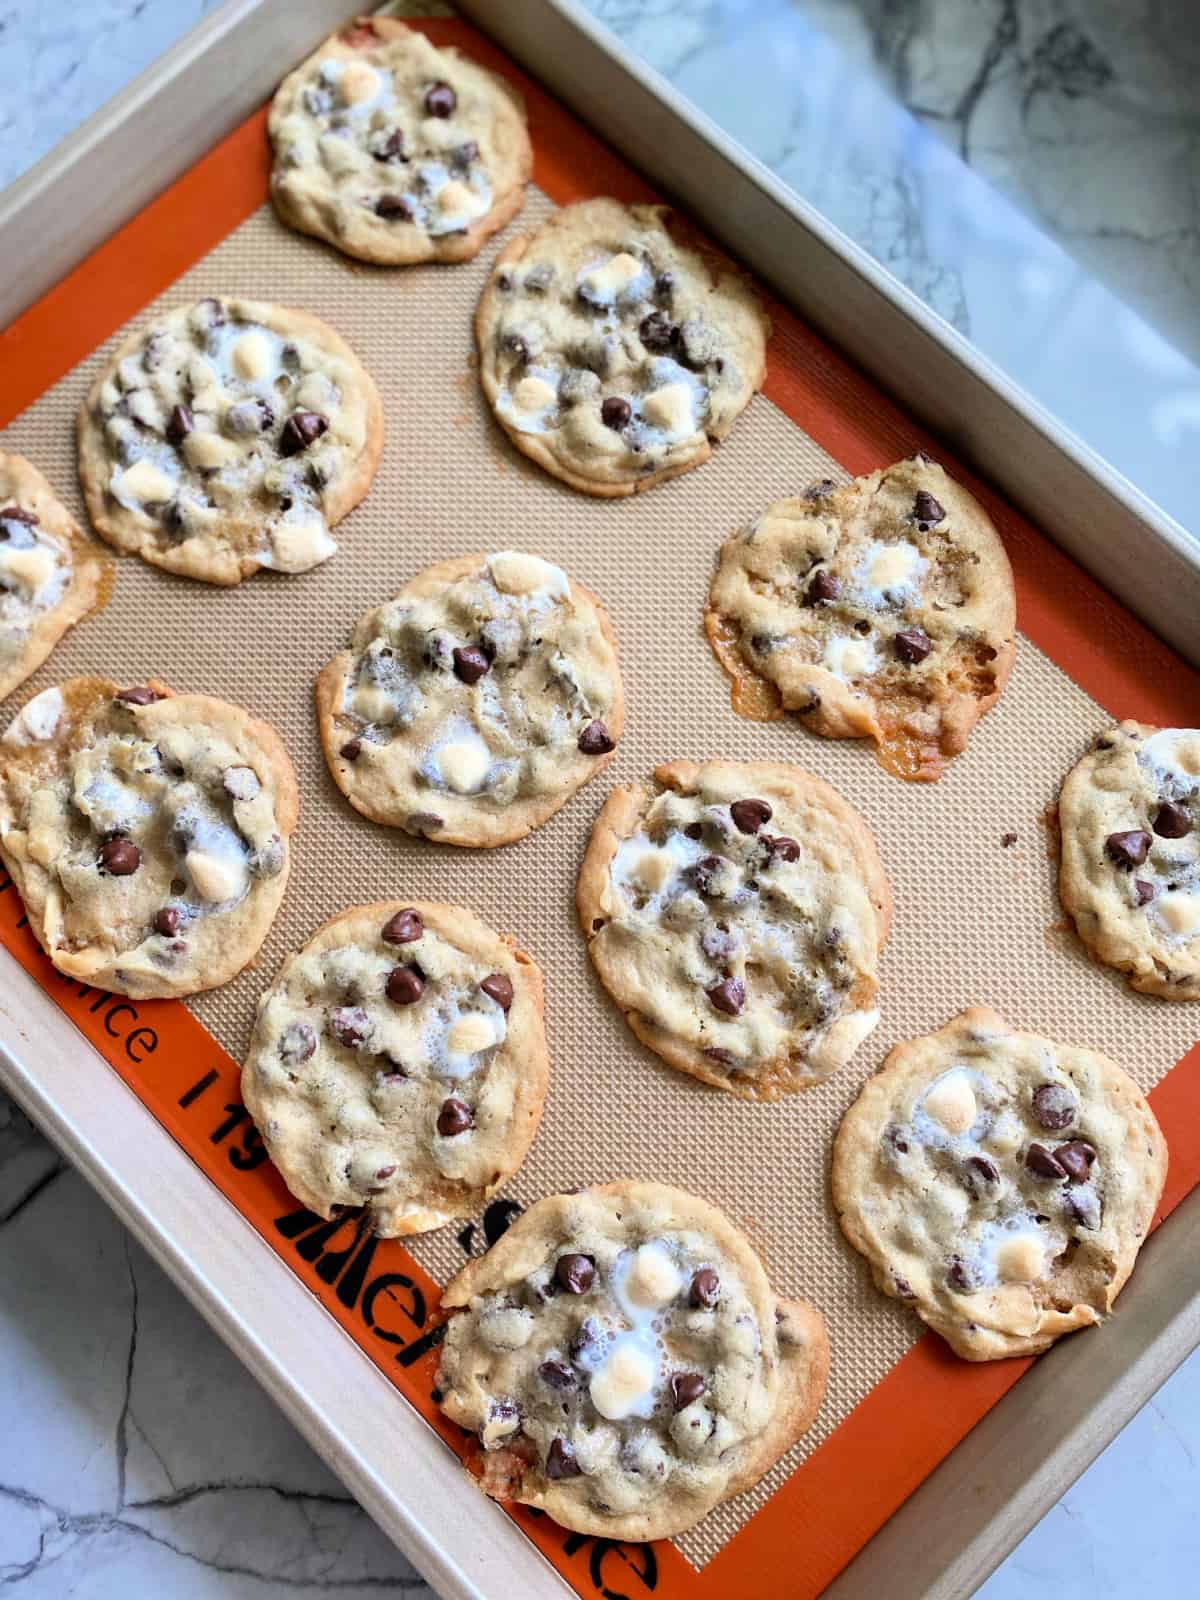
[(137, 1458)]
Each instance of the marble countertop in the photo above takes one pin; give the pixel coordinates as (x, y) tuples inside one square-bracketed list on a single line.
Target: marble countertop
[(1028, 167)]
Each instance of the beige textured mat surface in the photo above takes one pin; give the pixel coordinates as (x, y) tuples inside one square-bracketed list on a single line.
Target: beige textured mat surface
[(975, 922)]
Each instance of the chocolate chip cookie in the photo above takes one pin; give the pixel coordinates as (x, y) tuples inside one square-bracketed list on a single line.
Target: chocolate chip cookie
[(735, 911), (1129, 872), (999, 1183), (146, 832), (883, 609), (399, 1063), (394, 151), (624, 1362), (51, 577), (613, 355), (227, 436), (471, 707)]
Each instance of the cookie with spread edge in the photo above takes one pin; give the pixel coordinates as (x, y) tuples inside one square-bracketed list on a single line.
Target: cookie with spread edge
[(612, 354), (399, 1063), (1129, 868), (226, 436), (882, 609), (397, 152), (999, 1183), (624, 1362), (147, 833), (471, 707), (51, 577), (736, 912)]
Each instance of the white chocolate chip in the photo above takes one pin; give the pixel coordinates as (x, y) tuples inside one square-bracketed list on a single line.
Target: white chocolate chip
[(217, 878), (143, 481), (464, 766), (31, 568), (533, 394), (1020, 1260), (893, 566), (357, 82), (206, 451), (46, 826), (951, 1101), (513, 572), (454, 198), (1181, 913), (37, 719), (251, 356), (469, 1035), (371, 704), (850, 658), (653, 1279), (507, 1327), (623, 1384), (653, 869), (299, 546), (669, 408), (606, 282)]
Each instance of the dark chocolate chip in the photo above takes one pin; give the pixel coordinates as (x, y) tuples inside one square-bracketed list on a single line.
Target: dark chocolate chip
[(166, 921), (782, 848), (392, 149), (750, 815), (470, 663), (1054, 1107), (723, 1058), (179, 424), (249, 416), (686, 1387), (575, 1273), (406, 927), (1143, 892), (912, 645), (819, 491), (657, 331), (392, 208), (595, 740), (1172, 821), (959, 1276), (705, 1290), (615, 412), (561, 1462), (728, 996), (894, 1141), (1128, 849), (1076, 1159), (926, 510), (982, 1175), (694, 830), (823, 589), (1044, 1163), (300, 430), (424, 823), (440, 100), (454, 1118), (351, 750), (499, 986), (557, 1375), (717, 944), (903, 1288), (18, 514), (664, 285), (140, 695), (119, 857), (349, 1025), (405, 986), (463, 154), (297, 1043), (706, 872), (1084, 1206)]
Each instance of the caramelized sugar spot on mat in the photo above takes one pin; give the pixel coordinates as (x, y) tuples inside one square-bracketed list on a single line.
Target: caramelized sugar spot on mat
[(883, 609)]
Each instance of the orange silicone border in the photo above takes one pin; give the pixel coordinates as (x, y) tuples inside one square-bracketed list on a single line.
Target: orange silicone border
[(929, 1400)]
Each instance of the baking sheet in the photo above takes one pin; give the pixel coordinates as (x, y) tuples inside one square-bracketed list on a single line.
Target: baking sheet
[(975, 922)]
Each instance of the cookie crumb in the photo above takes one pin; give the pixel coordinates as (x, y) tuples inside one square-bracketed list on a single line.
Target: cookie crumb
[(1008, 839)]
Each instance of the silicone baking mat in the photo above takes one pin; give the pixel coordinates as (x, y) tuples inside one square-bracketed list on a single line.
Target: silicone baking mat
[(976, 920)]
